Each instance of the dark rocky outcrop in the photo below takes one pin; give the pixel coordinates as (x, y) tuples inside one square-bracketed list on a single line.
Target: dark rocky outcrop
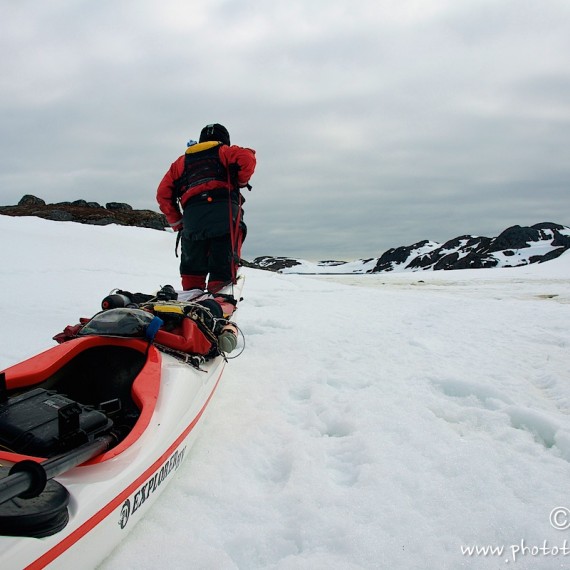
[(463, 252), (85, 212), (270, 263), (399, 255), (477, 252)]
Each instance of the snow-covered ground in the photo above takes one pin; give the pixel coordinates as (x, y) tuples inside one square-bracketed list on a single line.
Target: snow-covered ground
[(387, 421)]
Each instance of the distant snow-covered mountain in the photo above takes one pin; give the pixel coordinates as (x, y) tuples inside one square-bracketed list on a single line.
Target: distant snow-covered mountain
[(517, 245)]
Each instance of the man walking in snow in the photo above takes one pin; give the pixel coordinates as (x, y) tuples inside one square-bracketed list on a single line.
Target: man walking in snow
[(200, 197)]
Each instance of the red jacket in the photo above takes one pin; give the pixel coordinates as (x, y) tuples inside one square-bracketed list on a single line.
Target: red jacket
[(243, 157)]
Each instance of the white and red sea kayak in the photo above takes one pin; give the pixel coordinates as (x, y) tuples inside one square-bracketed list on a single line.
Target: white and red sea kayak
[(156, 402)]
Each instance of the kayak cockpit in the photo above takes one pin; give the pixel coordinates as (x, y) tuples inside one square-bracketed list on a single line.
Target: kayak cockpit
[(113, 383)]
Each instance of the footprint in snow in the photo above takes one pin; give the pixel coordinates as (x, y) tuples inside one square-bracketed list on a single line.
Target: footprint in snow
[(344, 459), (473, 394), (544, 429)]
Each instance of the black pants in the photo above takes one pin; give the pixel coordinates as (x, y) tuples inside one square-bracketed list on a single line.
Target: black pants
[(203, 256)]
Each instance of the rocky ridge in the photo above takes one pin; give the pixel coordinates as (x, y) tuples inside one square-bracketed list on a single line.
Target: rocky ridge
[(84, 212)]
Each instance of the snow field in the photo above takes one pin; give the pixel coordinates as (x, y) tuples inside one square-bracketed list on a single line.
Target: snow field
[(374, 421)]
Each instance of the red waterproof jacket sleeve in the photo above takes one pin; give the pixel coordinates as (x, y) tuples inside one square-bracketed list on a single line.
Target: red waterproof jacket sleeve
[(243, 157), (165, 194)]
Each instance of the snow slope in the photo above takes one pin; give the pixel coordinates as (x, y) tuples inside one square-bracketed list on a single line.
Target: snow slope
[(374, 421)]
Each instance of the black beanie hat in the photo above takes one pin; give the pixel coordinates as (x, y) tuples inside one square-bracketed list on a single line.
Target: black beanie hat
[(215, 132)]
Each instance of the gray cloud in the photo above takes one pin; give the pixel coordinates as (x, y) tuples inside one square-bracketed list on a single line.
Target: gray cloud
[(376, 124)]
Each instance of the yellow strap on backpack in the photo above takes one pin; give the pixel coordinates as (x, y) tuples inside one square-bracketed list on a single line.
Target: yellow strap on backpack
[(172, 309)]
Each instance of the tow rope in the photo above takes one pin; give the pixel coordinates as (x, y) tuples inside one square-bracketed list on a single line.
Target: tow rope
[(178, 238), (234, 235), (235, 227)]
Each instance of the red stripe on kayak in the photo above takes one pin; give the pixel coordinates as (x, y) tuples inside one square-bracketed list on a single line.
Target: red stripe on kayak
[(90, 524)]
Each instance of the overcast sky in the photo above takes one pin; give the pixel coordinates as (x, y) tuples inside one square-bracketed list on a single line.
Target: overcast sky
[(377, 123)]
